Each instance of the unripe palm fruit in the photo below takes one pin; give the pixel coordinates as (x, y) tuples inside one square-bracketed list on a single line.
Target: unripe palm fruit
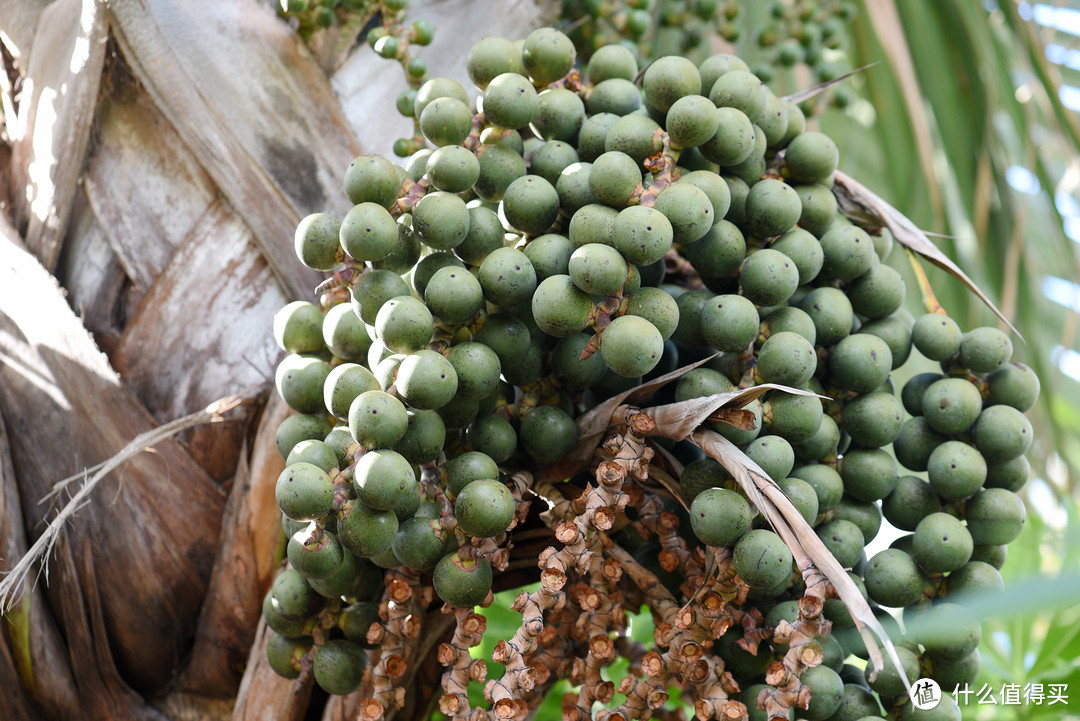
[(371, 178), (298, 326), (490, 57), (506, 276), (772, 208), (317, 240), (911, 500), (878, 292), (811, 157), (477, 368), (642, 234), (468, 467), (424, 437), (669, 78), (499, 166), (729, 322), (338, 666), (657, 306), (299, 427), (818, 208), (560, 308), (995, 516), (826, 482), (453, 168), (951, 632), (1013, 384), (492, 435), (941, 544), (366, 531), (805, 252), (974, 578), (368, 232), (314, 452), (860, 362), (377, 419), (441, 220), (484, 508), (719, 253), (831, 313), (936, 336), (631, 346), (889, 682), (510, 101), (344, 333), (375, 288), (768, 277), (293, 598), (530, 204), (826, 689), (315, 553), (849, 252), (869, 473), (613, 178), (454, 295), (785, 358), (617, 96), (956, 470), (446, 121), (742, 90), (946, 710), (356, 619), (560, 114), (873, 419), (733, 141), (689, 210), (951, 405), (547, 55), (611, 61), (420, 543), (793, 417), (700, 475), (843, 539), (384, 479), (896, 335), (801, 494), (426, 380), (284, 654), (893, 579), (1002, 433), (551, 159), (719, 517), (462, 583), (548, 434), (304, 492), (691, 121), (549, 255), (762, 559), (299, 380), (984, 350)]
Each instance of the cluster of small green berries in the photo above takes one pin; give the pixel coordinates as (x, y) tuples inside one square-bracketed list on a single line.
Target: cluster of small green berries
[(650, 27), (569, 234), (314, 15), (804, 32)]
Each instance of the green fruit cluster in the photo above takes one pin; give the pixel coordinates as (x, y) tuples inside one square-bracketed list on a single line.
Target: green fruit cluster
[(804, 32), (652, 27), (572, 234)]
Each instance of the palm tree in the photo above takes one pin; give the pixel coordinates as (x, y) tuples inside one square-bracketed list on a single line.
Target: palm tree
[(157, 156)]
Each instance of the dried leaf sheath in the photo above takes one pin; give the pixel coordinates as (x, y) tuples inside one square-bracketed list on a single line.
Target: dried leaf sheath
[(862, 205)]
